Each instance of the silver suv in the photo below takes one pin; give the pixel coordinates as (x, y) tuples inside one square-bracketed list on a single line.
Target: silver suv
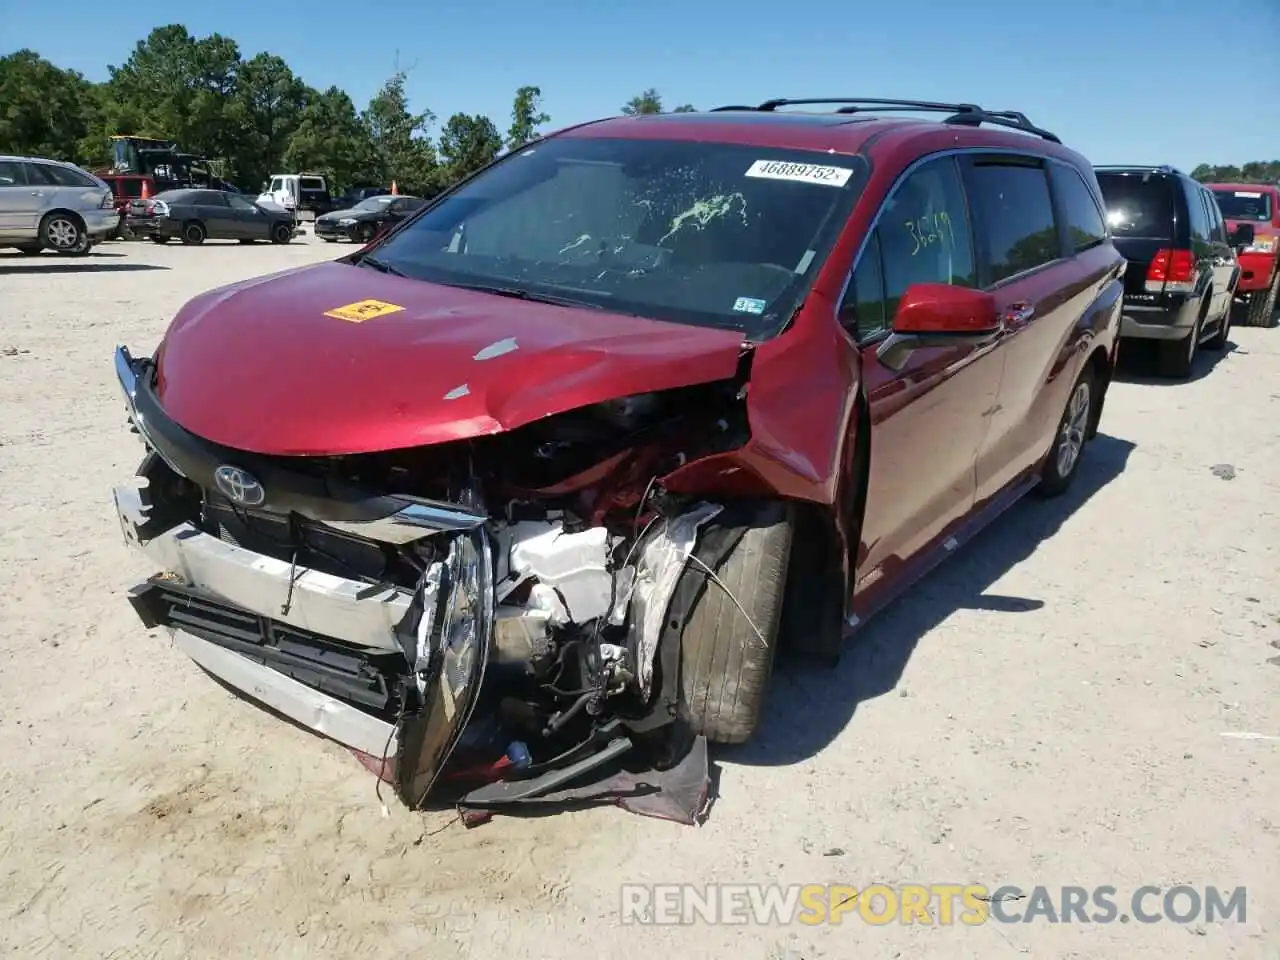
[(54, 205)]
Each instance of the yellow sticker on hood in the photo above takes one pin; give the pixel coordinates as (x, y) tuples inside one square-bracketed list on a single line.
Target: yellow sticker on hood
[(363, 310)]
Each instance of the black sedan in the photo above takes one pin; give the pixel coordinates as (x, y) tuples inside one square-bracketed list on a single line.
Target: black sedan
[(194, 215), (363, 221)]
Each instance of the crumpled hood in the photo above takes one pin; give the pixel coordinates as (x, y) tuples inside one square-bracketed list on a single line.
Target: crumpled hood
[(258, 366)]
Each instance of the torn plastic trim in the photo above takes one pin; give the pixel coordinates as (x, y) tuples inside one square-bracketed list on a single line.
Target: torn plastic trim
[(663, 559), (317, 711), (368, 615)]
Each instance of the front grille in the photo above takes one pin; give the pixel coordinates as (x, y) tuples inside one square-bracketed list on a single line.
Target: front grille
[(364, 679), (316, 546)]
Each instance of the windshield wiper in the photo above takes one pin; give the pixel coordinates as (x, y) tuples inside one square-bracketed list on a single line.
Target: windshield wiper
[(519, 293), (381, 265)]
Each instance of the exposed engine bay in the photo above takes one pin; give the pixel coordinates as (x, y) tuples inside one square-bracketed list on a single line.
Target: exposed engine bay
[(526, 591)]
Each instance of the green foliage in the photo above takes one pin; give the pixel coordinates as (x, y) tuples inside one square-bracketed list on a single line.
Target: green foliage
[(526, 117), (254, 116), (650, 101), (1257, 171)]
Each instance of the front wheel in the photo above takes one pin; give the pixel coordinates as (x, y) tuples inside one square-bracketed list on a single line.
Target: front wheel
[(1068, 442), (281, 233), (730, 636)]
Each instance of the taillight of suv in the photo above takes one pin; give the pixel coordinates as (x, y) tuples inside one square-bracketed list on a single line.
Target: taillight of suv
[(108, 201), (1172, 271)]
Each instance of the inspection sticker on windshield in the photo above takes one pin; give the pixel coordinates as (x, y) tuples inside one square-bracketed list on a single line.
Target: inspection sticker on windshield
[(749, 305), (800, 172), (363, 310)]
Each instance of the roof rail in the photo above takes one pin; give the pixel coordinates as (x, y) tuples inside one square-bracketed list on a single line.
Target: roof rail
[(961, 114), (1149, 167)]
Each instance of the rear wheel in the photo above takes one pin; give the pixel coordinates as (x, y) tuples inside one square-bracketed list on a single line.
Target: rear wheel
[(1219, 340), (1176, 357), (193, 233), (1068, 443), (64, 233), (725, 662), (1261, 308)]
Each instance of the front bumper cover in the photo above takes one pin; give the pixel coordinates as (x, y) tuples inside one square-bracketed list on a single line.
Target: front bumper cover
[(317, 648)]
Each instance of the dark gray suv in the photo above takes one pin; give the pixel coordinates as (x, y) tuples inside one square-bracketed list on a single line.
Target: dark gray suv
[(1182, 270)]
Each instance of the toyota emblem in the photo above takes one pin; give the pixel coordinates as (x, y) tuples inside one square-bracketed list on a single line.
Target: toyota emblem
[(239, 486)]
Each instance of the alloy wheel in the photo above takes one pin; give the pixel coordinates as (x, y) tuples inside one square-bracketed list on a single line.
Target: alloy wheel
[(1074, 425), (63, 234)]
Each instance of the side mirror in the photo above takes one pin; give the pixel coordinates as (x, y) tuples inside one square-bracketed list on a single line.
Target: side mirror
[(943, 310), (1242, 235)]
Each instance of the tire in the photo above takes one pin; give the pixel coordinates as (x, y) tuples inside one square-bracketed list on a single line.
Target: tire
[(159, 239), (725, 667), (281, 233), (1261, 309), (1218, 342), (1060, 469), (64, 233), (193, 233), (1175, 358)]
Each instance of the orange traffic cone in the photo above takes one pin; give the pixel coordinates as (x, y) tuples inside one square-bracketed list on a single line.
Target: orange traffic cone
[(395, 191), (146, 190)]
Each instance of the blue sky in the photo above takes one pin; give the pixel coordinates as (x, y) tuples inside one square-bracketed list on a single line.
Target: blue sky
[(1143, 81)]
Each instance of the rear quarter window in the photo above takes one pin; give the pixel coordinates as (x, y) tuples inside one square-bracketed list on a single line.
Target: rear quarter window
[(65, 176), (1139, 204)]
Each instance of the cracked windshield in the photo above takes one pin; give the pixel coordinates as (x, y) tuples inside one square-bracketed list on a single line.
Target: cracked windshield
[(713, 235)]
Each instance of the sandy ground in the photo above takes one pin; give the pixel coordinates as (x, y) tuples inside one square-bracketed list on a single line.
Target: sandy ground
[(1050, 708)]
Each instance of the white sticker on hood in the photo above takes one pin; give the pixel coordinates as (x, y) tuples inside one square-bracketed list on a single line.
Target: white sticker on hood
[(800, 172)]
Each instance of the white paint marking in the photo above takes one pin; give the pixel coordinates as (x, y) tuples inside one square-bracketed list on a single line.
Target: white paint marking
[(497, 349), (1248, 735)]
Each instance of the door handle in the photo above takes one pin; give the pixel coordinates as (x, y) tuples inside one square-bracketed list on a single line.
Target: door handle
[(1017, 315), (37, 193)]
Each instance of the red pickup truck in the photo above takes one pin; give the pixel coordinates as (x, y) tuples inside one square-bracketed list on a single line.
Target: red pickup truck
[(1255, 206)]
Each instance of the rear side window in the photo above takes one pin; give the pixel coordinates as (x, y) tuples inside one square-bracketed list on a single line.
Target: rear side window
[(12, 174), (129, 188), (1085, 226), (1013, 216), (64, 176), (1197, 213), (1138, 204), (210, 198), (311, 183)]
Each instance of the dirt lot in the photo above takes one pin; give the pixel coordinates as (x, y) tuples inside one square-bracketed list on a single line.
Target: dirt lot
[(1054, 707)]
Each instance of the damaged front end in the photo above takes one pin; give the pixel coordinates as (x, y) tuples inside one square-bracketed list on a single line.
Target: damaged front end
[(491, 618)]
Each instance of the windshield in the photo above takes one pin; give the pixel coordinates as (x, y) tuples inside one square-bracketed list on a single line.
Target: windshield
[(373, 203), (1138, 204), (1244, 205), (709, 234)]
